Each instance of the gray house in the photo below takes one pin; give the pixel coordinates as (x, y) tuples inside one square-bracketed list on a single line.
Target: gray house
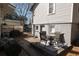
[(5, 8), (56, 17)]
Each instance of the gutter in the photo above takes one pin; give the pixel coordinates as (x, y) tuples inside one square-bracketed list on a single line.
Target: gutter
[(11, 6), (34, 6)]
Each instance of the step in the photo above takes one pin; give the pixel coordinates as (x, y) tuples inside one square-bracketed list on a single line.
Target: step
[(75, 49), (73, 52)]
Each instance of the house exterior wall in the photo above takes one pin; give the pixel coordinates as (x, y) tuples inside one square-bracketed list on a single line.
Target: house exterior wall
[(37, 31), (62, 28), (61, 19), (75, 21), (0, 20), (63, 13), (0, 25), (12, 22), (76, 13), (4, 9), (66, 29)]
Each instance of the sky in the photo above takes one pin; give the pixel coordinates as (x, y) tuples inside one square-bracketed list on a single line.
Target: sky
[(21, 9)]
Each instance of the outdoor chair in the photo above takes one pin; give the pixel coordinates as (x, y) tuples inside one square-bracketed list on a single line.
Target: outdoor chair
[(58, 39), (43, 36), (51, 39), (61, 38), (54, 38)]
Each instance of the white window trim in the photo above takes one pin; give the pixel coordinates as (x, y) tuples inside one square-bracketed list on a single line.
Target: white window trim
[(54, 9)]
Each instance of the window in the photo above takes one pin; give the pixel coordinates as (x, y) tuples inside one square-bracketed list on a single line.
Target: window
[(52, 28), (36, 27), (51, 8)]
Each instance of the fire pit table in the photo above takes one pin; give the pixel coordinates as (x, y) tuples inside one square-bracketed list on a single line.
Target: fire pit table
[(48, 50)]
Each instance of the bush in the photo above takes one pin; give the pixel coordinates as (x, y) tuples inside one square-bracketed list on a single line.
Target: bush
[(15, 33)]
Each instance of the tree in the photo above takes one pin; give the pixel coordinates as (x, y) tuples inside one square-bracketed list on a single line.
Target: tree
[(12, 16), (22, 9)]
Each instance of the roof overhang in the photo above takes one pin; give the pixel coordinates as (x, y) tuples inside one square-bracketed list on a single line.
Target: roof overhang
[(11, 6), (34, 6)]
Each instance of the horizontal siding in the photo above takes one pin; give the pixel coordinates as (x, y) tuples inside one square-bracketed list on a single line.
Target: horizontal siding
[(62, 28), (12, 22), (63, 13)]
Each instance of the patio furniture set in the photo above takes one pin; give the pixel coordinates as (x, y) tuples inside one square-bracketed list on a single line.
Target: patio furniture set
[(55, 39)]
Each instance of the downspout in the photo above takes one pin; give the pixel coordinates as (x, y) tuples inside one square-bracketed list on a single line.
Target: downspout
[(32, 24)]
